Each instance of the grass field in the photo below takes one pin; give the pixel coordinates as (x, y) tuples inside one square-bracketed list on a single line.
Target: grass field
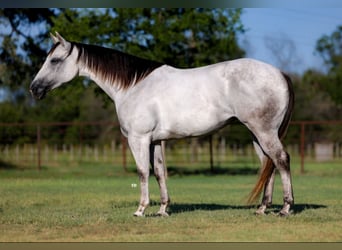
[(95, 203)]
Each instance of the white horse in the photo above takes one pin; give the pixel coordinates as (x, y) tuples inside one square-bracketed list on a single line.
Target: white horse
[(157, 102)]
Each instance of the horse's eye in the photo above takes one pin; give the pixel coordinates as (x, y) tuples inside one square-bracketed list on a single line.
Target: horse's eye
[(55, 61)]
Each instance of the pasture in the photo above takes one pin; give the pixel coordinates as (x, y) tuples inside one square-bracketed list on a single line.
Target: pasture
[(92, 203)]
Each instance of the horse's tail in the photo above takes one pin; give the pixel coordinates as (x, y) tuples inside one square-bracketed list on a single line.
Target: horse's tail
[(268, 166)]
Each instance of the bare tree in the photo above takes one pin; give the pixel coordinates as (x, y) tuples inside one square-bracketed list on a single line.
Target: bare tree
[(284, 51)]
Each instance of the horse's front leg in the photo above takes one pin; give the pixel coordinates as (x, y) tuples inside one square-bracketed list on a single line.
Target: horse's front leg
[(158, 163), (139, 146)]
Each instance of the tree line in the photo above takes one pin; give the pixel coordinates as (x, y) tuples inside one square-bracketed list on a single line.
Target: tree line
[(180, 37)]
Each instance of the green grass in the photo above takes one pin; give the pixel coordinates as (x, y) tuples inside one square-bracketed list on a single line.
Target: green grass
[(96, 203)]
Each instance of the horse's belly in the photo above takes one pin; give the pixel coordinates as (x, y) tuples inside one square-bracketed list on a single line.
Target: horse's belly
[(179, 125)]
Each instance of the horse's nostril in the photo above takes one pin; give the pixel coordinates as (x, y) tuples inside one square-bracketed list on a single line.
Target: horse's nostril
[(33, 86), (37, 91)]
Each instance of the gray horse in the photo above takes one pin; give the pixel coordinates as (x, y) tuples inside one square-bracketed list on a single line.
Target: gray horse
[(157, 102)]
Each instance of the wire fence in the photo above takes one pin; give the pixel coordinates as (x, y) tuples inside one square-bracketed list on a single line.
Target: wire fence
[(33, 145)]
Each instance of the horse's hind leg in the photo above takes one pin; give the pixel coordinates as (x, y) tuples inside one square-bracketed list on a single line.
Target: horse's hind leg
[(273, 148), (283, 164), (268, 190), (157, 161)]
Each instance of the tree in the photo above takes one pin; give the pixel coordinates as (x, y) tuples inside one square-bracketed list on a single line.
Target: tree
[(311, 102), (22, 39), (180, 37), (329, 47), (284, 52)]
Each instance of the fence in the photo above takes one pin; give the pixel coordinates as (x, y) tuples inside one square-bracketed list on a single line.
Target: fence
[(40, 144), (323, 148)]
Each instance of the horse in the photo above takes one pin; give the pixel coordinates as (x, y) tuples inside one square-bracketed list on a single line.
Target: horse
[(156, 102)]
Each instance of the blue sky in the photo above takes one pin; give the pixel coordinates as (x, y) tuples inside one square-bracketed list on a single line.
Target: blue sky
[(301, 26)]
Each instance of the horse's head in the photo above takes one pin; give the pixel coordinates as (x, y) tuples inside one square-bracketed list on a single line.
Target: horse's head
[(59, 67)]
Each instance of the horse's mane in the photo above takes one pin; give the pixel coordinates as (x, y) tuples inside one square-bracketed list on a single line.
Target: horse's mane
[(111, 65), (114, 66)]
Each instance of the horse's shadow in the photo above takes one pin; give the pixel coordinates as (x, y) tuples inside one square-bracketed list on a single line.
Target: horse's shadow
[(216, 170), (183, 208)]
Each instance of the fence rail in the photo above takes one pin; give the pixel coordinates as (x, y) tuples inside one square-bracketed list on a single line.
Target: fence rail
[(213, 150)]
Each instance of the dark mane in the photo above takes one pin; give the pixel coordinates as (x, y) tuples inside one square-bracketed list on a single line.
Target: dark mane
[(114, 66)]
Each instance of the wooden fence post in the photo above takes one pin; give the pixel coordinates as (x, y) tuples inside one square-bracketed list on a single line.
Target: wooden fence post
[(38, 147), (211, 153), (124, 146), (302, 146)]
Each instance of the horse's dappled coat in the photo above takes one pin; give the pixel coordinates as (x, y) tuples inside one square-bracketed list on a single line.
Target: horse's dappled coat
[(157, 102)]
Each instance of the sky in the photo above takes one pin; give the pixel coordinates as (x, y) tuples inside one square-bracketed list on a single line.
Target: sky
[(301, 27)]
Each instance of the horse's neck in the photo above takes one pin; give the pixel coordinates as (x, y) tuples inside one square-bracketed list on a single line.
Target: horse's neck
[(109, 88)]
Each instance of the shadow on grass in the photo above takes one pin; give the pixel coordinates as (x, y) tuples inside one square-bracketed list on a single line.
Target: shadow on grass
[(8, 166), (183, 208), (183, 171), (296, 208)]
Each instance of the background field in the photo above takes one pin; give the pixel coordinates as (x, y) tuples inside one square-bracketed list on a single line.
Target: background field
[(95, 203)]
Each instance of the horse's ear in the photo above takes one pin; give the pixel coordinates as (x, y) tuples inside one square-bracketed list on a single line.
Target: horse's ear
[(54, 39), (62, 41)]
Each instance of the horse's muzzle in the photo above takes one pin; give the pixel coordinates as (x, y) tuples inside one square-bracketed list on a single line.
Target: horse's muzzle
[(38, 90)]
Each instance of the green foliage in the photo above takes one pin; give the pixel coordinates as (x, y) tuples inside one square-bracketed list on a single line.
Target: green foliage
[(9, 114), (21, 51), (313, 102), (330, 49), (180, 37), (310, 97)]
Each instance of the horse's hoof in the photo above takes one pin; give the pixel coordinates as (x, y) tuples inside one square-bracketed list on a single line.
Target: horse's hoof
[(259, 213), (138, 214), (163, 214), (283, 214)]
